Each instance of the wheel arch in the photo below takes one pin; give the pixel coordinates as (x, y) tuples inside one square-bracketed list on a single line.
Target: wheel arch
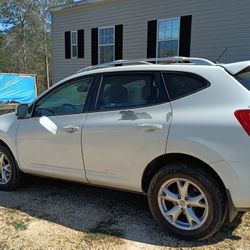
[(155, 165), (3, 143)]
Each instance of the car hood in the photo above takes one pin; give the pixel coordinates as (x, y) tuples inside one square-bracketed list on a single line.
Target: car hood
[(6, 121)]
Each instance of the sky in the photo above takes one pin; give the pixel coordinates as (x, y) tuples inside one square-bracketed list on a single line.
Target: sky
[(3, 26)]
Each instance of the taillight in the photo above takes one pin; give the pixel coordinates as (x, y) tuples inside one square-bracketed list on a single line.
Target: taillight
[(243, 116)]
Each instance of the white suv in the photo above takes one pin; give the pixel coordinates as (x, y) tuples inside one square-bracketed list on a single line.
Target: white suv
[(176, 132)]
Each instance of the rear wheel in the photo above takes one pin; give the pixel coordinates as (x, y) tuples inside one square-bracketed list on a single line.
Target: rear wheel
[(10, 175), (186, 202)]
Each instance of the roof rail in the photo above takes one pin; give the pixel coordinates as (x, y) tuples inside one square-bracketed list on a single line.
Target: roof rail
[(166, 60), (113, 63)]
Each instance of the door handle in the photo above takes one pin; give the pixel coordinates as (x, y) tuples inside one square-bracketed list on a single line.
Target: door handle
[(149, 127), (71, 129)]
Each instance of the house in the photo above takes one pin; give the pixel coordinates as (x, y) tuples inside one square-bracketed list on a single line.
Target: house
[(90, 32)]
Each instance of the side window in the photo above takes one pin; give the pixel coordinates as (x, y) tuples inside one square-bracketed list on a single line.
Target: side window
[(67, 100), (129, 90), (180, 85)]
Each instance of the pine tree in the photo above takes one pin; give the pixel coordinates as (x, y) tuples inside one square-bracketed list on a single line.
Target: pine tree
[(25, 43)]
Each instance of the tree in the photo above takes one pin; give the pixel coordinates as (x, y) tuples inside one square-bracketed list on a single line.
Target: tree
[(25, 45)]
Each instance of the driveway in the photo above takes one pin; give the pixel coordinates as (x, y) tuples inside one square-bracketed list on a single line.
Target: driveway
[(49, 214)]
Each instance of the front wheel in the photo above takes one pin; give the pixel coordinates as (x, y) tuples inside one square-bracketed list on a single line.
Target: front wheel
[(187, 202), (10, 175)]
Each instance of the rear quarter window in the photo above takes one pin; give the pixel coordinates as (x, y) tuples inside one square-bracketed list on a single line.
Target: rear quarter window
[(183, 84)]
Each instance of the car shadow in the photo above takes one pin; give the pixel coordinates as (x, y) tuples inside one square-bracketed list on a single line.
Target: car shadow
[(98, 210)]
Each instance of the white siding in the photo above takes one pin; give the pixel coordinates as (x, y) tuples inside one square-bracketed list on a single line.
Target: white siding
[(215, 25)]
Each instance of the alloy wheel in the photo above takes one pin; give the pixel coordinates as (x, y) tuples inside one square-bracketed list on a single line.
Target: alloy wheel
[(183, 204), (5, 169)]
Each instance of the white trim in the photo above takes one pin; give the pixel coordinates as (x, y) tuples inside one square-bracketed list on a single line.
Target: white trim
[(166, 40), (73, 5), (75, 44), (103, 45)]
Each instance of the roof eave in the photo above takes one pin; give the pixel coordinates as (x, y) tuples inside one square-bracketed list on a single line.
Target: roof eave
[(73, 5)]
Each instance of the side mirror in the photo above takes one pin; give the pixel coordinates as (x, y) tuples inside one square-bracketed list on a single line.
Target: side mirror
[(22, 111)]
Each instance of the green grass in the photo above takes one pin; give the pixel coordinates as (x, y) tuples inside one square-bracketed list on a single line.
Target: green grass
[(19, 226)]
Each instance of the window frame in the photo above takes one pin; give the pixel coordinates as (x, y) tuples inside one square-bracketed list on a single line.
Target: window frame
[(208, 84), (74, 44), (103, 45), (166, 40), (158, 80), (50, 92)]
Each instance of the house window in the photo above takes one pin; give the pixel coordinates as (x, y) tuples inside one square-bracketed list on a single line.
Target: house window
[(74, 51), (168, 37), (106, 44)]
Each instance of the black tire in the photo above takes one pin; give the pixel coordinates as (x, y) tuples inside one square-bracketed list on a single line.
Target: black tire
[(16, 174), (215, 198)]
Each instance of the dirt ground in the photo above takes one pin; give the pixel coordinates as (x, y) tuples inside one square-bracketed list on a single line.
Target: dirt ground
[(49, 214)]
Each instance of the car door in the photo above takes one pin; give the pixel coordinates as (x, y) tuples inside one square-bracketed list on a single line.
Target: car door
[(126, 129), (49, 143)]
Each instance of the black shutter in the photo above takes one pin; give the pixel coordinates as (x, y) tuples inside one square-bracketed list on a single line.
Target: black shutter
[(67, 44), (118, 42), (185, 36), (94, 46), (152, 37), (80, 42)]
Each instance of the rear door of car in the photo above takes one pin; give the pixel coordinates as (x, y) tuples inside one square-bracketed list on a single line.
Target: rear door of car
[(126, 129)]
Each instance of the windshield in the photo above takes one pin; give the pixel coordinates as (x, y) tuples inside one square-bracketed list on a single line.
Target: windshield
[(244, 77)]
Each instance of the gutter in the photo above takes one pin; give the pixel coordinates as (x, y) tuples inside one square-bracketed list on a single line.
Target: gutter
[(74, 5)]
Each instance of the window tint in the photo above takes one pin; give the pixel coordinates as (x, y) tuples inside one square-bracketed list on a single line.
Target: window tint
[(69, 99), (180, 85), (129, 90)]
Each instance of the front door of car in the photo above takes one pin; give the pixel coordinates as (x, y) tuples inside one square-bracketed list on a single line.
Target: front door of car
[(126, 129), (49, 143)]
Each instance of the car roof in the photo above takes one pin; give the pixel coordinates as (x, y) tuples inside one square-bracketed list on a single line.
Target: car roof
[(187, 67)]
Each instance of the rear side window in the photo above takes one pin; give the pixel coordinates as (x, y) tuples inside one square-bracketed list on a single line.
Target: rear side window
[(244, 77), (183, 84), (130, 90)]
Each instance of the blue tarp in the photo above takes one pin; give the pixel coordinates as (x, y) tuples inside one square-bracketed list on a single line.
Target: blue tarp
[(17, 88)]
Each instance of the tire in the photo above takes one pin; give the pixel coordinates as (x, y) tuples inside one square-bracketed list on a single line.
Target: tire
[(12, 176), (188, 216)]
